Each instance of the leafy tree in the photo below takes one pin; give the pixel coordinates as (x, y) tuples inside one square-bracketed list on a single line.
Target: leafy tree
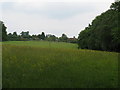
[(34, 37), (25, 35), (14, 33), (115, 39), (14, 37), (4, 32), (10, 36), (43, 36), (50, 37), (0, 31), (116, 6), (39, 36), (63, 38), (104, 31)]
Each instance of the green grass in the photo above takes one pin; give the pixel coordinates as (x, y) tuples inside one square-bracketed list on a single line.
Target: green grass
[(37, 65), (43, 44)]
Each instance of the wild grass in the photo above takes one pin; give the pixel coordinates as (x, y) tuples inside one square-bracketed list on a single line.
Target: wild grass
[(35, 66)]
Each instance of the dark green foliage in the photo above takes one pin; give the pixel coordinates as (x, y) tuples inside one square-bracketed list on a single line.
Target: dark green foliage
[(25, 34), (116, 38), (41, 36), (50, 37), (10, 35), (0, 31), (63, 38), (34, 37), (104, 33), (115, 6), (3, 32), (14, 33), (14, 37)]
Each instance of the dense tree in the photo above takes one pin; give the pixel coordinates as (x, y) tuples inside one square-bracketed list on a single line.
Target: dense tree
[(3, 35), (10, 36), (104, 31), (41, 36), (0, 31), (116, 6), (63, 38), (25, 34), (14, 33), (14, 37), (34, 37), (50, 37)]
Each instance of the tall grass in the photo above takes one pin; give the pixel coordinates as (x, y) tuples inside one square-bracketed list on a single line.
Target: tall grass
[(29, 66)]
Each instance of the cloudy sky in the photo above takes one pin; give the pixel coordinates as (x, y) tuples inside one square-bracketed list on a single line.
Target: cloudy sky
[(51, 16)]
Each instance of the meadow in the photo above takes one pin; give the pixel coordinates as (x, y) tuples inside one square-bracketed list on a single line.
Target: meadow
[(42, 64)]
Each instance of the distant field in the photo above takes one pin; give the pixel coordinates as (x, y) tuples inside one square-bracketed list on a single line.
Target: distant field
[(43, 44), (39, 64)]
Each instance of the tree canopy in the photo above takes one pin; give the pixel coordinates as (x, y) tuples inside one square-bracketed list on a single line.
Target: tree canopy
[(41, 36), (3, 32), (63, 38), (104, 31)]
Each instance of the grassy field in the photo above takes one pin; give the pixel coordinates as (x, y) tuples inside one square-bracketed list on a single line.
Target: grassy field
[(34, 64), (43, 44)]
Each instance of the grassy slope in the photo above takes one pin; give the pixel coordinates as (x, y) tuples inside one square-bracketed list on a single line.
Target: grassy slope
[(37, 66)]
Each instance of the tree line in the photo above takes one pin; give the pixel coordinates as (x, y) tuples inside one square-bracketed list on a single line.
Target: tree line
[(102, 34), (104, 31), (25, 36)]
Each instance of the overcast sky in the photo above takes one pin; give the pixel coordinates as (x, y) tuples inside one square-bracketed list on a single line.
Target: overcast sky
[(51, 16)]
